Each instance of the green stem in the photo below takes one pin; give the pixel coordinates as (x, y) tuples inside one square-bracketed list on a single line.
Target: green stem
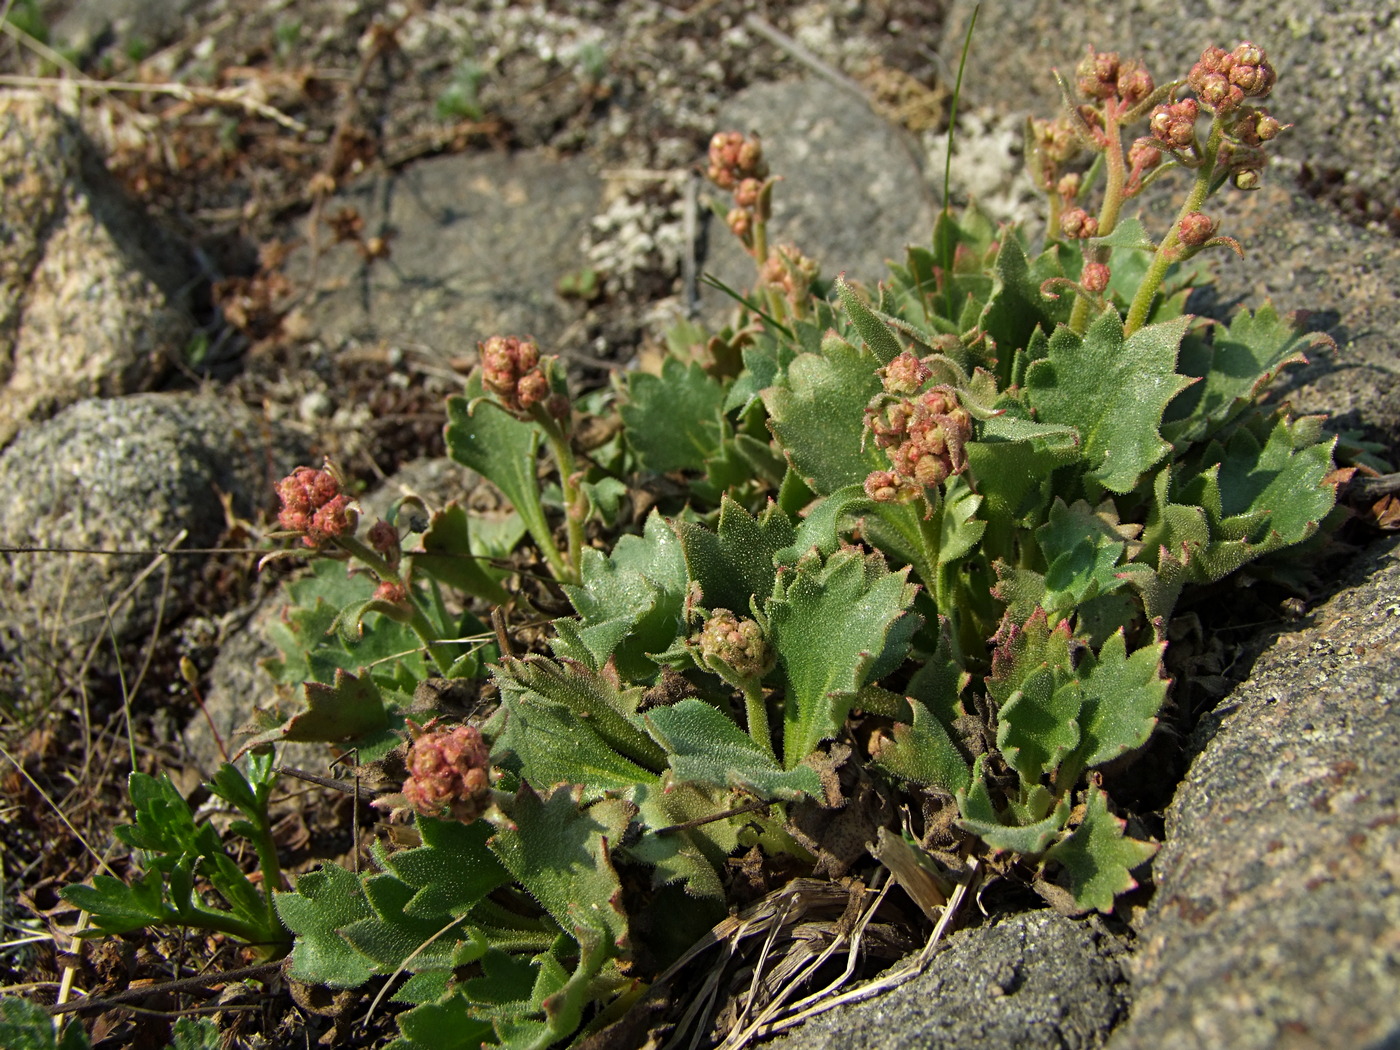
[(760, 243), (1168, 250), (271, 868), (419, 623), (1117, 177), (756, 711), (575, 505)]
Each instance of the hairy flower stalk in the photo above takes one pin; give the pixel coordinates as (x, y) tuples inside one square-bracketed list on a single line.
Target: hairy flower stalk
[(735, 648), (1222, 81), (529, 387), (315, 505)]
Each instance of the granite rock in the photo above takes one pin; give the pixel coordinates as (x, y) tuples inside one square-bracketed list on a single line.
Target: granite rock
[(132, 474), (91, 293), (1276, 920), (477, 243), (1033, 981), (852, 193)]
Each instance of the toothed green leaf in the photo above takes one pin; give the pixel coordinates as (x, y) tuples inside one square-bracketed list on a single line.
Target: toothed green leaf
[(326, 901), (879, 338), (28, 1026), (558, 850), (1121, 696), (836, 625), (1113, 391), (485, 437), (1098, 857), (674, 421), (734, 564), (631, 602), (979, 815), (819, 415), (1234, 367), (706, 746)]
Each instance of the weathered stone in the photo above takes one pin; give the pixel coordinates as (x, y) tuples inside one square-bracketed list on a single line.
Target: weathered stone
[(477, 245), (1276, 921), (1033, 981), (125, 474), (1338, 64), (852, 194), (90, 300)]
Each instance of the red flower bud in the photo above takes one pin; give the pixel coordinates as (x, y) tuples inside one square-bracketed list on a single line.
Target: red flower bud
[(1095, 277), (448, 774), (1195, 229)]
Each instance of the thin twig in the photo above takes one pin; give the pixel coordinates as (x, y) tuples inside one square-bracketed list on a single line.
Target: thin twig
[(823, 69), (179, 985)]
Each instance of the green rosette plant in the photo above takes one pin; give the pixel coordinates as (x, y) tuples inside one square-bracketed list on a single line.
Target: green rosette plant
[(935, 530)]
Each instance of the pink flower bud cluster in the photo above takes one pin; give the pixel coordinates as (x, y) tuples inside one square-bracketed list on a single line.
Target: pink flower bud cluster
[(735, 158), (1103, 75), (924, 437), (1078, 224), (313, 504), (737, 165), (1222, 79), (1173, 124), (737, 642), (789, 271), (449, 774), (513, 370)]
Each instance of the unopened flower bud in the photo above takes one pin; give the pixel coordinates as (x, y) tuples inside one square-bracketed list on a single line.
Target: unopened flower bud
[(1095, 277), (1251, 70), (883, 486), (1143, 156), (391, 592), (1078, 224), (747, 192), (1248, 179), (740, 222), (1068, 186), (1267, 128), (1195, 229), (448, 774), (1096, 75), (1134, 82), (1218, 94), (737, 642), (1174, 124), (905, 374), (532, 389), (383, 537)]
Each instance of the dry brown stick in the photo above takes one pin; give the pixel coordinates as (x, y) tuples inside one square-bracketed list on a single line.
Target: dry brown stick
[(179, 985)]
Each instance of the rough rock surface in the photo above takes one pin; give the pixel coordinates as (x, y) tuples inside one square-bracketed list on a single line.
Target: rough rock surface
[(1034, 981), (1276, 921), (123, 473), (852, 194), (1338, 65), (477, 244), (90, 293)]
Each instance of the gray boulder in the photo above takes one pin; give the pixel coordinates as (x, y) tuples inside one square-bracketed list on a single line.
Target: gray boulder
[(477, 243), (852, 193), (1034, 981), (126, 474), (1276, 920), (91, 293)]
